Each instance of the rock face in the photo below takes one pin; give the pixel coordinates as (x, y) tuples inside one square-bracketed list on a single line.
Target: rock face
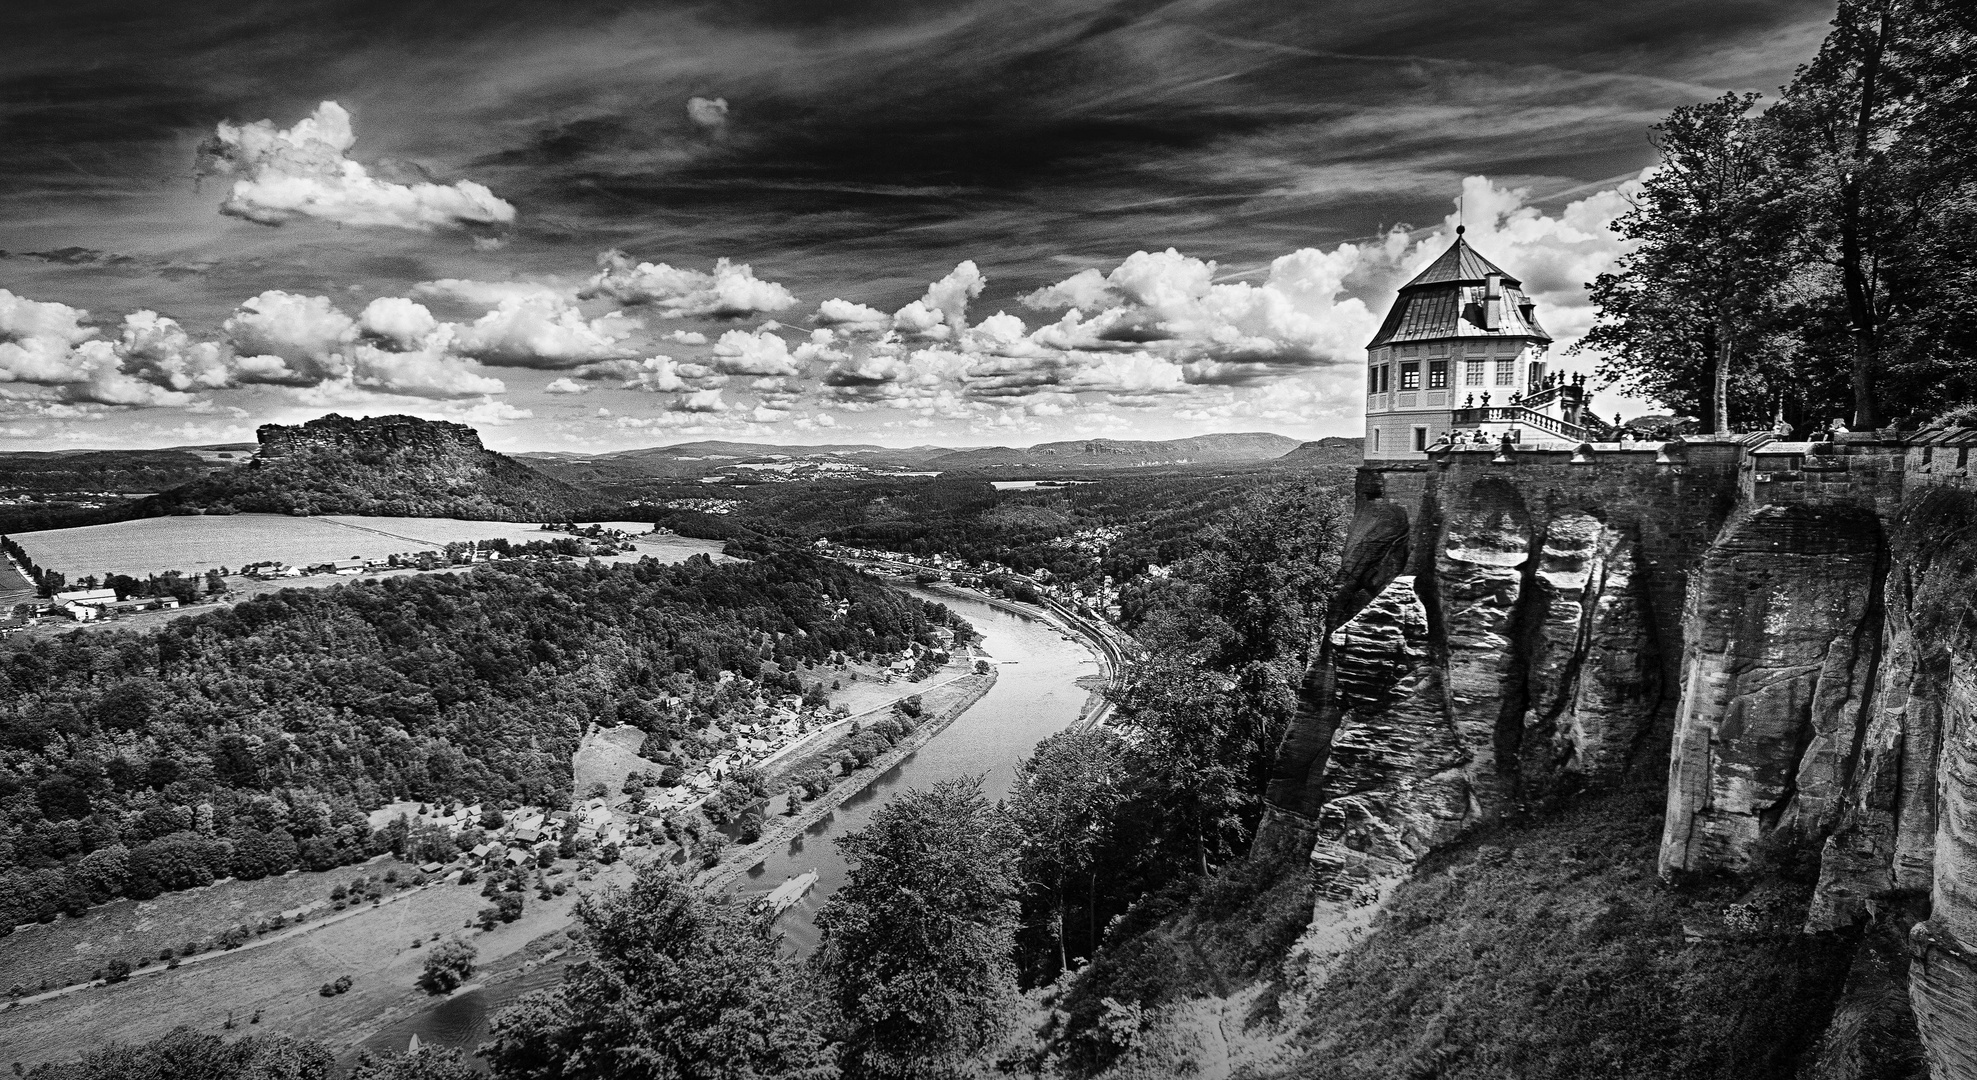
[(1505, 634), (1496, 644), (394, 466), (1781, 637)]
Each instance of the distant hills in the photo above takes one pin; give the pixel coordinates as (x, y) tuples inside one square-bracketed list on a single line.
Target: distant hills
[(1337, 450), (120, 471), (402, 466), (694, 460), (389, 466), (744, 462), (1231, 449)]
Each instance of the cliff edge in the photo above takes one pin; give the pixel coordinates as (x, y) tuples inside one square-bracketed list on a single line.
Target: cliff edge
[(1781, 638)]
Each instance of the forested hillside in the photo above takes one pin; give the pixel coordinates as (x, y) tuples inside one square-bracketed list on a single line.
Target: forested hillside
[(252, 740)]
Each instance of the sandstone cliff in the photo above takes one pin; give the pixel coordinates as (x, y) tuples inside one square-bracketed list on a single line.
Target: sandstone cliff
[(394, 466), (1787, 634)]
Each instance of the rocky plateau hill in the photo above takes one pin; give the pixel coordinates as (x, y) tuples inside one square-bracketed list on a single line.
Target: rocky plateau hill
[(393, 466)]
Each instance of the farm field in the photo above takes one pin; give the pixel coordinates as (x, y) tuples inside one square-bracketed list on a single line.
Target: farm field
[(280, 980), (66, 950), (201, 543)]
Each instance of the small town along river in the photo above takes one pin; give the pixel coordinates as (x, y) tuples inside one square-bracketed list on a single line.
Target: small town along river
[(1035, 695)]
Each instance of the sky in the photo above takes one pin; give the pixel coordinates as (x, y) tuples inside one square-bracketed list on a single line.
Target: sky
[(595, 226)]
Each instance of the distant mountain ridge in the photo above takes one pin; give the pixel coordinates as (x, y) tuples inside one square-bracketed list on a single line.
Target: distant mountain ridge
[(688, 461), (1223, 449), (100, 470), (389, 466)]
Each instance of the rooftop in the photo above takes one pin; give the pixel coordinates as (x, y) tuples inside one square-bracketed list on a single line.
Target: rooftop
[(1450, 299)]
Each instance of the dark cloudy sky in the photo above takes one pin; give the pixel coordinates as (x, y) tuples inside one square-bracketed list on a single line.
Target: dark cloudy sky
[(177, 271)]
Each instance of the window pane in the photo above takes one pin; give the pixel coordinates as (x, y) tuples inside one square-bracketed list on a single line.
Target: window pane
[(1472, 374), (1506, 372), (1437, 374), (1410, 376)]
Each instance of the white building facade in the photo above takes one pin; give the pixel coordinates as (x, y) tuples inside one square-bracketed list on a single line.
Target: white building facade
[(1460, 351)]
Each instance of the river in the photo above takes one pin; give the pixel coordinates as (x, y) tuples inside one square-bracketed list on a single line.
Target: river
[(1033, 697)]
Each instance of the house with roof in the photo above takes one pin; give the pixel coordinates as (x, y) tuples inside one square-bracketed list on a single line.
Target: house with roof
[(1462, 351)]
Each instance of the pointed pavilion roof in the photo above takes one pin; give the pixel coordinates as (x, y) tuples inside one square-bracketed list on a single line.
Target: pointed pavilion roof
[(1459, 263), (1446, 300)]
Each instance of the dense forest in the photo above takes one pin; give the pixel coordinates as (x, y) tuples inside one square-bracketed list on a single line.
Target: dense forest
[(251, 740)]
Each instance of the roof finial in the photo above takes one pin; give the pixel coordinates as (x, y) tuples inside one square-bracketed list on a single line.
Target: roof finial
[(1460, 229), (1461, 211)]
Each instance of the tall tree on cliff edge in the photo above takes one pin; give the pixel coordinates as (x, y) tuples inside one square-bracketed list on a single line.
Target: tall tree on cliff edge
[(1682, 316), (1824, 242), (1850, 197)]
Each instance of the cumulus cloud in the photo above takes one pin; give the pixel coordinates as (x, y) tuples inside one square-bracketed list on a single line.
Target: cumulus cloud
[(541, 333), (732, 290), (1170, 304), (855, 317), (404, 323), (303, 172), (276, 338), (687, 337), (47, 350), (426, 372), (740, 352), (950, 295), (158, 350), (293, 340), (565, 386)]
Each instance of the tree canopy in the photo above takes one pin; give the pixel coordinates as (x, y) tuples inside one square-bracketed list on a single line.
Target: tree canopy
[(1812, 258), (672, 985)]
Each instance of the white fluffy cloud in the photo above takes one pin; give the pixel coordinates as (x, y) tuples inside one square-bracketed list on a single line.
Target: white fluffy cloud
[(306, 334), (950, 295), (731, 290), (541, 333), (404, 323), (740, 352), (426, 372), (854, 317), (1171, 305), (303, 172)]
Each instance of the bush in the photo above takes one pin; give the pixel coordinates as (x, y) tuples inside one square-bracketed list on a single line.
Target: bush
[(449, 964)]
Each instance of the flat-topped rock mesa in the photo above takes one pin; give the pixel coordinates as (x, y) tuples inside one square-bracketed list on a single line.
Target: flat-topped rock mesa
[(390, 466), (1782, 635)]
